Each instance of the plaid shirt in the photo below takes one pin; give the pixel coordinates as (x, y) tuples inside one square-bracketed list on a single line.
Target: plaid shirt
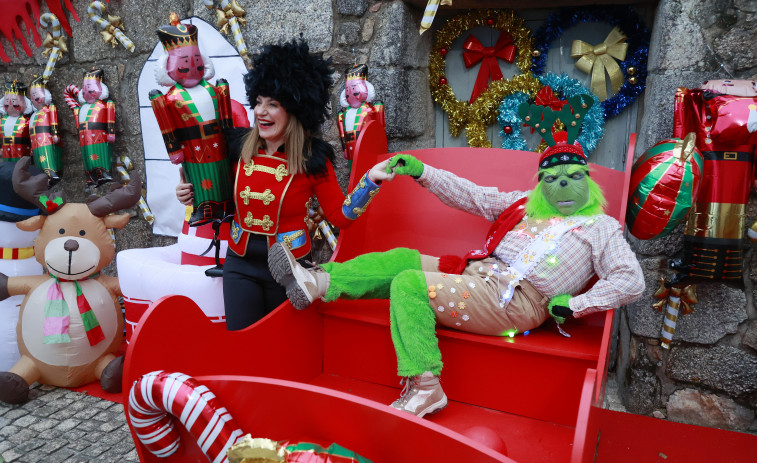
[(594, 248)]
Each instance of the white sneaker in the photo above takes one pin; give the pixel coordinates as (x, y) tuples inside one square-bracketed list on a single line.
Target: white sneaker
[(302, 285), (422, 395)]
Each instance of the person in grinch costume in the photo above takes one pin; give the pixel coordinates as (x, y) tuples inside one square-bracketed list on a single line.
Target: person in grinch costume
[(542, 250)]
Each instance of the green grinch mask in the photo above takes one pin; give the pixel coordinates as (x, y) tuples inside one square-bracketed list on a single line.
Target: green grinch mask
[(565, 190), (565, 187)]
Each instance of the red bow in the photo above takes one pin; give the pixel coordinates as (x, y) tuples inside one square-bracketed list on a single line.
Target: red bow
[(473, 52), (546, 97)]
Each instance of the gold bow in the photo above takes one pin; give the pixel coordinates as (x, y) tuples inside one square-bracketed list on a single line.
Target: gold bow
[(232, 10), (687, 294), (108, 34), (595, 60), (58, 42)]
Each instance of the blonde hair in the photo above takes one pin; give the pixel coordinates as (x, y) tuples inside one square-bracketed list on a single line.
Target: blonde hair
[(296, 145)]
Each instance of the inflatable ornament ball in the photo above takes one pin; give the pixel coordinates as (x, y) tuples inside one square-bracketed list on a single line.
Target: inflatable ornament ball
[(664, 185)]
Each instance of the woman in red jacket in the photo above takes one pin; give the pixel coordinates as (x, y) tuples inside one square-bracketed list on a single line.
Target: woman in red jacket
[(279, 165)]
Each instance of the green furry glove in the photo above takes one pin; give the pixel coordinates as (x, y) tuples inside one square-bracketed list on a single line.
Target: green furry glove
[(559, 308), (405, 164)]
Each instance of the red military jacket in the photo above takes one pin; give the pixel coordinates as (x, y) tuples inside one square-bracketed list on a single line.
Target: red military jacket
[(187, 137), (365, 113), (272, 202), (16, 145), (43, 126), (99, 123)]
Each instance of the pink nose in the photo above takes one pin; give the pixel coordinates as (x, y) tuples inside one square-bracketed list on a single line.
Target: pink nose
[(71, 245)]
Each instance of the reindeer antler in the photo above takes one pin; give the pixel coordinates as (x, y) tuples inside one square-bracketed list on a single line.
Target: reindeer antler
[(121, 197), (580, 104), (33, 188), (541, 118)]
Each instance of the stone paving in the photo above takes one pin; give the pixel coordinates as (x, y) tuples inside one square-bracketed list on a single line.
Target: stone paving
[(61, 426)]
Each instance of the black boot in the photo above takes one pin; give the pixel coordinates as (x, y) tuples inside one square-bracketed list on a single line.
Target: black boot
[(208, 211)]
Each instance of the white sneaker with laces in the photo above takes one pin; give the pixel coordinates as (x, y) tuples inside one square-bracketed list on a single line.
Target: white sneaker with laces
[(302, 285), (422, 395)]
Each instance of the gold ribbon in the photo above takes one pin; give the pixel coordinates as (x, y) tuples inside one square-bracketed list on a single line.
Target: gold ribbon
[(232, 10), (51, 42), (688, 295), (595, 60), (108, 34)]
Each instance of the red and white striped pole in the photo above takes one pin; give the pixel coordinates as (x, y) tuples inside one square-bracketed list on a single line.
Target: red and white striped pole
[(159, 398)]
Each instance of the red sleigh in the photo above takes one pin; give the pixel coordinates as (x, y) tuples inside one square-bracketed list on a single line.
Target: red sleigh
[(325, 374)]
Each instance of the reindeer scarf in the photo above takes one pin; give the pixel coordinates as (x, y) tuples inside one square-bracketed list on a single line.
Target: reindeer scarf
[(58, 316)]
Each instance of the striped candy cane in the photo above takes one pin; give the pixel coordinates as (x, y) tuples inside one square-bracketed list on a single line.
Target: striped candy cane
[(430, 13), (671, 317), (230, 14), (675, 300), (328, 233), (323, 227), (54, 44), (70, 94), (123, 166), (158, 399), (110, 27)]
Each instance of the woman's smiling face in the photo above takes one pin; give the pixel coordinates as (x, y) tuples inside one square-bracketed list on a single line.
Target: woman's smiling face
[(272, 120)]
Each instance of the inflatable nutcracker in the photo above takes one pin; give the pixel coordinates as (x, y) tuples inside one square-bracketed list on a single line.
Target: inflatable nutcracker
[(192, 116), (14, 118), (95, 116), (715, 227), (358, 97), (44, 132)]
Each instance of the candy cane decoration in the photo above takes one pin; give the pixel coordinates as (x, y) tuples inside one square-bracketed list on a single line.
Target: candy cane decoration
[(70, 95), (675, 299), (54, 44), (230, 14), (430, 13), (158, 399), (110, 28), (123, 166), (325, 229)]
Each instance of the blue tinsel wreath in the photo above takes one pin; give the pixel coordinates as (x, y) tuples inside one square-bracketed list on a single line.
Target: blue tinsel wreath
[(638, 46), (591, 130)]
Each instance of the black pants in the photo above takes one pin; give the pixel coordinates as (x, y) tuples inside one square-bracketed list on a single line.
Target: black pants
[(249, 291)]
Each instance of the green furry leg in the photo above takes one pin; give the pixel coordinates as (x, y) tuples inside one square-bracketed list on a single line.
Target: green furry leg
[(369, 276), (413, 325)]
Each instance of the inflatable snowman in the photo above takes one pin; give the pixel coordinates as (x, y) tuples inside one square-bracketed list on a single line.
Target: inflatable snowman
[(16, 258)]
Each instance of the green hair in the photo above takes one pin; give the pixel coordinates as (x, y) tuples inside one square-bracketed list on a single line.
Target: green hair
[(537, 206)]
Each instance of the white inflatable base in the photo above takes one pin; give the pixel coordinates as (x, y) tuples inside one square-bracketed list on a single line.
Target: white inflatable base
[(147, 274)]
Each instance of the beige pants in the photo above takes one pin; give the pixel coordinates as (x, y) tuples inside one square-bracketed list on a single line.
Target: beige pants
[(470, 301)]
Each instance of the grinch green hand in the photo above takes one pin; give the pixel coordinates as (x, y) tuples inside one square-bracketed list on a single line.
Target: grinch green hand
[(405, 164)]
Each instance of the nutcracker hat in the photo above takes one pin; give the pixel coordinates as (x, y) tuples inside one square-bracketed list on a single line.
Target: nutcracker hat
[(15, 88), (296, 78), (560, 138), (38, 81), (357, 72), (95, 73), (176, 35)]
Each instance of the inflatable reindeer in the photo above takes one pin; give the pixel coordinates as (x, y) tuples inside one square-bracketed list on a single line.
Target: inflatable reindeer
[(70, 322)]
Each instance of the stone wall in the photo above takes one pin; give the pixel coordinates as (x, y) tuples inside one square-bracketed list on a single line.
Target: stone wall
[(381, 34), (709, 376)]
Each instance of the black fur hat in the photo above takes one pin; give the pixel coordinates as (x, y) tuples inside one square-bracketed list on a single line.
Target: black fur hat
[(298, 79)]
